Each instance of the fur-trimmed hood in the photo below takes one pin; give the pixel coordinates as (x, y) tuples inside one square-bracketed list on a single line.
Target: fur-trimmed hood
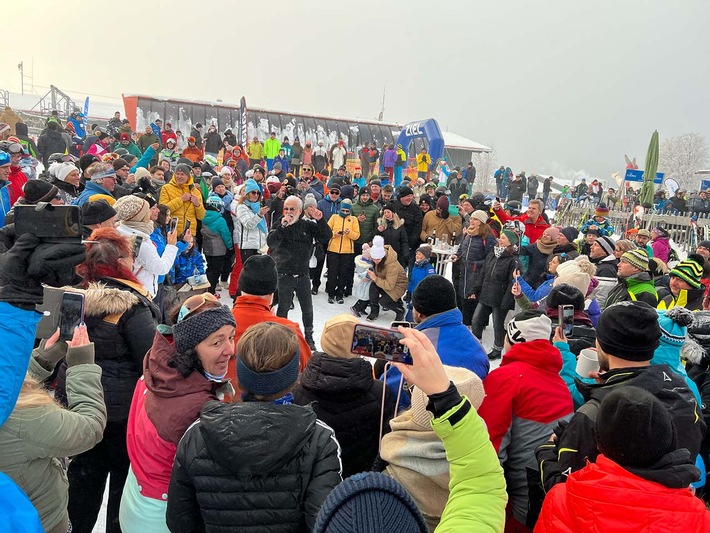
[(111, 297), (396, 221)]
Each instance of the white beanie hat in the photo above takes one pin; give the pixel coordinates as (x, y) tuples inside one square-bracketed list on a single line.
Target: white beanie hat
[(570, 273), (531, 325), (61, 170), (378, 248)]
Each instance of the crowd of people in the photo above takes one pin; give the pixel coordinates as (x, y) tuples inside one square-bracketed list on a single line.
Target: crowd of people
[(199, 414)]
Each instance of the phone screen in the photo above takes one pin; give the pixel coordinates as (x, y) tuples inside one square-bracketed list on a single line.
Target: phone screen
[(380, 343), (137, 242), (566, 318), (71, 314), (173, 224)]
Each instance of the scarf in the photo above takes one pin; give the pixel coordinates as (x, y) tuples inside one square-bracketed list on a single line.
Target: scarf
[(546, 247), (255, 208), (145, 227), (417, 460), (499, 250)]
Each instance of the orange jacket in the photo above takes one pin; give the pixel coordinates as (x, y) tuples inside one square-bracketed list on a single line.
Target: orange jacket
[(193, 153), (250, 310)]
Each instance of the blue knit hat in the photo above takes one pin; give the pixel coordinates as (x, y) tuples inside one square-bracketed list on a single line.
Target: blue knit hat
[(674, 325), (369, 503)]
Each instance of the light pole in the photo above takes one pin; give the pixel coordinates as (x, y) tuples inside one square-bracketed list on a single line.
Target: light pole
[(21, 68)]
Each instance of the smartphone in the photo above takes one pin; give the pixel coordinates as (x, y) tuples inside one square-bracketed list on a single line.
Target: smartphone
[(137, 242), (188, 223), (402, 323), (50, 222), (173, 224), (380, 343), (565, 316), (71, 314)]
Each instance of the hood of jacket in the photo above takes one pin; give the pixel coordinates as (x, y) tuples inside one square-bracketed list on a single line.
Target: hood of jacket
[(237, 434), (650, 378), (338, 375), (540, 353), (174, 401), (396, 221), (186, 187), (111, 297), (452, 317)]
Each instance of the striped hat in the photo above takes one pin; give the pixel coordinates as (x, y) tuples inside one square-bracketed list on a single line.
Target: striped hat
[(601, 211), (636, 258), (607, 244), (690, 270)]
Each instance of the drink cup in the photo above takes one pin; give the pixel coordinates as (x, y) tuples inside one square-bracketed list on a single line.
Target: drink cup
[(587, 362)]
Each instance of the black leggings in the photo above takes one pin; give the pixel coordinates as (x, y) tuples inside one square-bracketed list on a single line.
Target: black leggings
[(338, 270), (215, 266)]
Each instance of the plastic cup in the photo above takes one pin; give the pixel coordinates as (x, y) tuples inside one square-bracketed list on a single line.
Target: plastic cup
[(587, 362)]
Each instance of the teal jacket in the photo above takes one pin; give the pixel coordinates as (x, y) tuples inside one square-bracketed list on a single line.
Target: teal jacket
[(477, 496)]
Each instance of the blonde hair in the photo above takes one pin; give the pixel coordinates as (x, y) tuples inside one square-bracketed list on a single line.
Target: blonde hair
[(33, 394), (267, 346)]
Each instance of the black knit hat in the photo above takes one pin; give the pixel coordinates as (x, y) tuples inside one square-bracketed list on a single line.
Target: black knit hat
[(96, 212), (258, 276), (570, 233), (86, 160), (629, 331), (216, 182), (634, 429), (564, 294), (369, 503), (35, 191), (195, 328), (404, 191), (434, 294)]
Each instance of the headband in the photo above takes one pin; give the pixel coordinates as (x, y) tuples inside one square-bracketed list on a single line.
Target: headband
[(268, 383)]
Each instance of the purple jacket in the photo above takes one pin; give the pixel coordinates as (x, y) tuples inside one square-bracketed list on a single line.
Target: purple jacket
[(389, 158), (661, 249)]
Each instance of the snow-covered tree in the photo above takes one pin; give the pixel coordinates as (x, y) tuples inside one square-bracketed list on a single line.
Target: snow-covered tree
[(486, 165), (680, 157)]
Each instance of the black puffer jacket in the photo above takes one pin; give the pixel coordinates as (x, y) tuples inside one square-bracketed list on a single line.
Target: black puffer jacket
[(252, 466), (51, 142), (121, 322), (292, 246), (494, 287), (349, 400), (412, 216), (578, 438), (471, 255), (395, 235)]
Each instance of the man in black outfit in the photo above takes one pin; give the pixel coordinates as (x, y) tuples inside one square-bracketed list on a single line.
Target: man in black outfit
[(291, 246)]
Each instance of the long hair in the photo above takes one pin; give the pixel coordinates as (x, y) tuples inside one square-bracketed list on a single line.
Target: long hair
[(102, 258), (33, 394)]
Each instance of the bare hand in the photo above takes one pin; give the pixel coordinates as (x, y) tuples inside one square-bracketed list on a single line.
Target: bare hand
[(131, 179), (361, 217), (516, 290), (172, 237), (186, 197), (188, 236), (263, 210), (516, 274), (454, 258), (347, 231), (559, 335), (380, 227), (315, 213), (51, 341), (155, 146), (195, 201), (80, 337), (371, 275), (427, 372), (495, 205)]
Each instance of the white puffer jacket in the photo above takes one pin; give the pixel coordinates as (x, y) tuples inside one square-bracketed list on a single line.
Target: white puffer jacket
[(247, 234)]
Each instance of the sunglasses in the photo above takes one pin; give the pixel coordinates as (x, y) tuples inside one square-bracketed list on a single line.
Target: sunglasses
[(193, 303), (336, 193), (307, 170)]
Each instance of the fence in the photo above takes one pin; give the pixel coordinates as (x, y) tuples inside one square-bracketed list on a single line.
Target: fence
[(685, 232)]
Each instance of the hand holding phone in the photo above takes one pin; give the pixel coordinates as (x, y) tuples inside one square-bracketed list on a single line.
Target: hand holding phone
[(426, 370)]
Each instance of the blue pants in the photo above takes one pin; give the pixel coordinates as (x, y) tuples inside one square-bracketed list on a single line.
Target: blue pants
[(397, 176), (269, 164)]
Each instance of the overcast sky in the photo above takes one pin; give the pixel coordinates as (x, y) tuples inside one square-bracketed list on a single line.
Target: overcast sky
[(557, 86)]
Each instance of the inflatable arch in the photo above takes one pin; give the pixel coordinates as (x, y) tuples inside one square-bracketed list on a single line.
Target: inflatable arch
[(429, 129)]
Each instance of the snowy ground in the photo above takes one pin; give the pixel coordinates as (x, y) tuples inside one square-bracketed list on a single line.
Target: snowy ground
[(322, 311)]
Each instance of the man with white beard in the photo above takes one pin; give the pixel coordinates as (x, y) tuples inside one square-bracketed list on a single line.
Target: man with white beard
[(291, 246)]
